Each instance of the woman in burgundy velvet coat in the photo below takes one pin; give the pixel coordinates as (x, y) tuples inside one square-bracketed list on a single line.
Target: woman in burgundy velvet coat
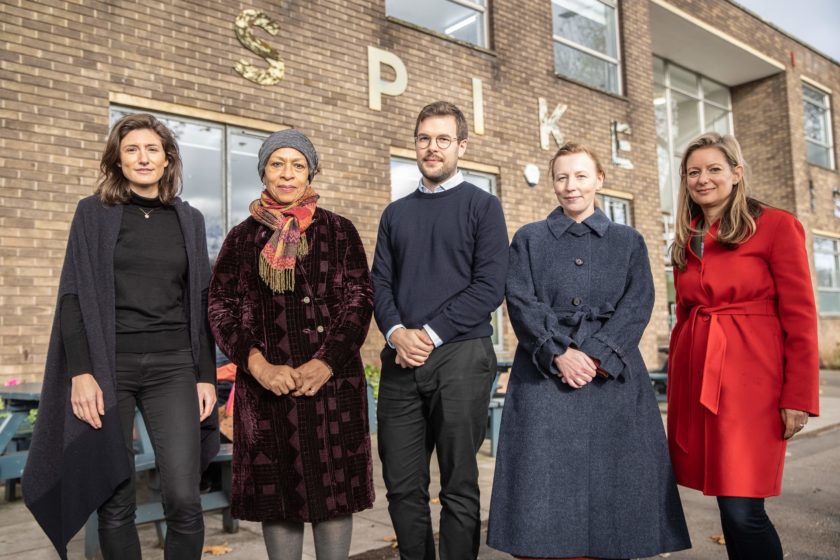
[(290, 304)]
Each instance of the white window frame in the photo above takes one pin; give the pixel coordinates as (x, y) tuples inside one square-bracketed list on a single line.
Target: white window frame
[(698, 96), (605, 199), (483, 16), (836, 257), (597, 54), (826, 107)]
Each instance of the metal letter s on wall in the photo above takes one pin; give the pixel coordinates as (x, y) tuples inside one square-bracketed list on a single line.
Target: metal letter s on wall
[(274, 73)]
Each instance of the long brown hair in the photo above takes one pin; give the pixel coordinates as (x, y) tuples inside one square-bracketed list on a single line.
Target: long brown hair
[(113, 187), (737, 222)]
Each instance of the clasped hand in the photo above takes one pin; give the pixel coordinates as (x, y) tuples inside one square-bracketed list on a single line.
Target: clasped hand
[(576, 368), (413, 347), (305, 380)]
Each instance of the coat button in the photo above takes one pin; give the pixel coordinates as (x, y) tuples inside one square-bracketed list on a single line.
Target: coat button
[(319, 328), (306, 299), (579, 261), (577, 301)]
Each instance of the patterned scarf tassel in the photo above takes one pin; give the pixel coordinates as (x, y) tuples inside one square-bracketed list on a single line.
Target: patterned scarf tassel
[(282, 279), (278, 279)]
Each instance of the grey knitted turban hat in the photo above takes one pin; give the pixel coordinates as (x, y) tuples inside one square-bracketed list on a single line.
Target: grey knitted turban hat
[(289, 138)]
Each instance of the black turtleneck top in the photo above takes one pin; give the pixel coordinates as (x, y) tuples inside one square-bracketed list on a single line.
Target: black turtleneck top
[(150, 280)]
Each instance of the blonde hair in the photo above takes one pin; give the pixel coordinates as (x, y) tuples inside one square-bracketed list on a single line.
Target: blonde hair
[(113, 187), (737, 223)]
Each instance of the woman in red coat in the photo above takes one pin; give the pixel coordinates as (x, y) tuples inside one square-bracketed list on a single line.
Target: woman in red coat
[(743, 368)]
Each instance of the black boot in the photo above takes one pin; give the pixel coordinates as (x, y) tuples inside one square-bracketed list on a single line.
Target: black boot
[(181, 546), (121, 543)]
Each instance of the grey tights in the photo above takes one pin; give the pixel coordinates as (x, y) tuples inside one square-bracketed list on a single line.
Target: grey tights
[(284, 539)]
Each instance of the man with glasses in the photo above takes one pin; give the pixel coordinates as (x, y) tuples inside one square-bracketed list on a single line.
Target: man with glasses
[(439, 272)]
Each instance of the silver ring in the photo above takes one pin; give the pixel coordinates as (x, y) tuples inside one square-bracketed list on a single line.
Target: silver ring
[(801, 426), (311, 392)]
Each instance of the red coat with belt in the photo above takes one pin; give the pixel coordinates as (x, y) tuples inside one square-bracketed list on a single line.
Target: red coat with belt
[(744, 347)]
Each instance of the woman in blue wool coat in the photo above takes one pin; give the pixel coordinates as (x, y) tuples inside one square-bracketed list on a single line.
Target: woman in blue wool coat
[(583, 468)]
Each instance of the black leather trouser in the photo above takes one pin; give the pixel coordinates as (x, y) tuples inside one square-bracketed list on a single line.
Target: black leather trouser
[(163, 386)]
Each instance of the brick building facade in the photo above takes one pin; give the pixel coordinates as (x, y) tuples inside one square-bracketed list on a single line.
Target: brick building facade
[(614, 74)]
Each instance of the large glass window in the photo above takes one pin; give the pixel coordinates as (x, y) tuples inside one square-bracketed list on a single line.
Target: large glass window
[(827, 266), (460, 19), (616, 209), (586, 42), (818, 127), (220, 170), (405, 177), (686, 105)]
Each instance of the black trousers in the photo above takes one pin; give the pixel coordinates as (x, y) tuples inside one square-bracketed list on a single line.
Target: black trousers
[(441, 406), (747, 530), (163, 386)]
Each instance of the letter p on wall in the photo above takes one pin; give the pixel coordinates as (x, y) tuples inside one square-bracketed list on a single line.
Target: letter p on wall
[(376, 85)]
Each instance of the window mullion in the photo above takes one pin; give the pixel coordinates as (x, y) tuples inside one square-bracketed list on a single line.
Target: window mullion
[(471, 5), (587, 50)]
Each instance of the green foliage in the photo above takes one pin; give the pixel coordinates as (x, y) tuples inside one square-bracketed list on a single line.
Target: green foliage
[(372, 374), (33, 414)]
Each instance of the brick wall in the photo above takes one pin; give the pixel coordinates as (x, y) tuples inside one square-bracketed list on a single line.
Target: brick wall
[(63, 61), (769, 122)]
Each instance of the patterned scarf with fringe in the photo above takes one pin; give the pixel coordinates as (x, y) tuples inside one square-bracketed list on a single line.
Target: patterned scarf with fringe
[(288, 242)]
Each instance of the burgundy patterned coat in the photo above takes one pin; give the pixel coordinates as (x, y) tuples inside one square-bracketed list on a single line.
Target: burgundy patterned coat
[(297, 458)]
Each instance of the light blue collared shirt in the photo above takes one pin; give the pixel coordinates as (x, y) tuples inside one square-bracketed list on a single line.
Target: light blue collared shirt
[(453, 181)]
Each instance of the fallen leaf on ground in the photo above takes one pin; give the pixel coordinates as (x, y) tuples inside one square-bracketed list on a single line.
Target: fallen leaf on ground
[(435, 500), (718, 539), (390, 538), (217, 550)]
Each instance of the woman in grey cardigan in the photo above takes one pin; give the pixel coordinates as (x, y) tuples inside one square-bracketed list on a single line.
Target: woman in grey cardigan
[(583, 468)]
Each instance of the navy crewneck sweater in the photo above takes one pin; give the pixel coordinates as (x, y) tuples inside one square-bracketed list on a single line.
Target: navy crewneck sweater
[(441, 259)]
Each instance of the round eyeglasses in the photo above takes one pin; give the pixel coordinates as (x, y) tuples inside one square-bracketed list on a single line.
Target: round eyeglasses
[(442, 142)]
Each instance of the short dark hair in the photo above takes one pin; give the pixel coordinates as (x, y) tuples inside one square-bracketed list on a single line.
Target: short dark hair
[(113, 187), (444, 109)]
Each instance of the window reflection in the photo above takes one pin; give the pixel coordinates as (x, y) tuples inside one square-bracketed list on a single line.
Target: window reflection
[(459, 19)]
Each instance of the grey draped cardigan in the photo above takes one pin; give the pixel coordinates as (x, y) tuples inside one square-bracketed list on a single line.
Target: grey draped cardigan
[(72, 468)]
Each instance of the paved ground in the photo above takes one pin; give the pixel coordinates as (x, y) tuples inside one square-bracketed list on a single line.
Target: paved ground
[(807, 515)]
